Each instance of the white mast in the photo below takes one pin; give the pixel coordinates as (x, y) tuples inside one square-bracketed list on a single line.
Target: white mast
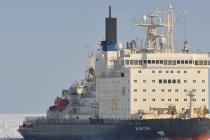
[(170, 29), (154, 25)]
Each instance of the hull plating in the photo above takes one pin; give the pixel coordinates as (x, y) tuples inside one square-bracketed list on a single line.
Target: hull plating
[(175, 129)]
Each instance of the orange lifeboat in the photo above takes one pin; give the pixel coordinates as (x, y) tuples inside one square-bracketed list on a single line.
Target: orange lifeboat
[(61, 103)]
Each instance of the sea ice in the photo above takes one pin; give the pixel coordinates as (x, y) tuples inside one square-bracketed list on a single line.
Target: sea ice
[(9, 124)]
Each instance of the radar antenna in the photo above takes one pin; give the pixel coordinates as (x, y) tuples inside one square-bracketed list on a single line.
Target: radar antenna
[(153, 24)]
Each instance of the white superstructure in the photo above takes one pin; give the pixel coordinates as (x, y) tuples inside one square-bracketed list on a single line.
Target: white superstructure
[(144, 82), (152, 78)]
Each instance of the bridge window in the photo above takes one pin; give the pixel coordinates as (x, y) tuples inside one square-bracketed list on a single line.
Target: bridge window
[(169, 62), (196, 62), (131, 62), (174, 81), (165, 62), (182, 61), (190, 62), (174, 62), (164, 81), (140, 62), (200, 62), (205, 62), (186, 61), (136, 62)]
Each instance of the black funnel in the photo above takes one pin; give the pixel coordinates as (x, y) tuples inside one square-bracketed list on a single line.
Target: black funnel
[(111, 28)]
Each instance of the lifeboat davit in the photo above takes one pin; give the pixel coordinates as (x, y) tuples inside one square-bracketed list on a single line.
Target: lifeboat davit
[(61, 103)]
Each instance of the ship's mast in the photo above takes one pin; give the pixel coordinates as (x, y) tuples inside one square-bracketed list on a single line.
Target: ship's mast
[(158, 20), (170, 29), (152, 26)]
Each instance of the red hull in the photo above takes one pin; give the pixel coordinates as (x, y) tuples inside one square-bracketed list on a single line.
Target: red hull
[(202, 137)]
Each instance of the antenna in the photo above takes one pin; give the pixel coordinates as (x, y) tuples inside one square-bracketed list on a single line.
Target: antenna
[(110, 11), (154, 26), (170, 29), (89, 56), (171, 2), (185, 30)]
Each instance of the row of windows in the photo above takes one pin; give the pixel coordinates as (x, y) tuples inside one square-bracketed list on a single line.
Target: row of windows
[(167, 71), (170, 81), (169, 90), (166, 62), (174, 81), (176, 100)]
